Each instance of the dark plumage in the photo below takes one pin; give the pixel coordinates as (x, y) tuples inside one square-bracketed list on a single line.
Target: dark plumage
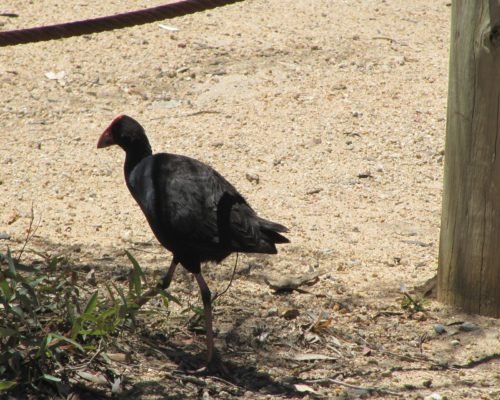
[(193, 210)]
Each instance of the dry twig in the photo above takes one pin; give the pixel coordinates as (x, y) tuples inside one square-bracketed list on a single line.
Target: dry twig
[(369, 389)]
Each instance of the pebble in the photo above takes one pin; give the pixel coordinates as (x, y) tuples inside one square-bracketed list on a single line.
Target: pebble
[(272, 312), (4, 236), (455, 342), (468, 327), (439, 329), (365, 174), (427, 383), (252, 177), (314, 191), (419, 316), (291, 314), (126, 235), (90, 278)]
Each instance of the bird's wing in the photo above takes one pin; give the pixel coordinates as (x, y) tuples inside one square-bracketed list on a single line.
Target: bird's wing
[(191, 204), (188, 200)]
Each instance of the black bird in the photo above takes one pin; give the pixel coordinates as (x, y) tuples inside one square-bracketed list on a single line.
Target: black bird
[(193, 211)]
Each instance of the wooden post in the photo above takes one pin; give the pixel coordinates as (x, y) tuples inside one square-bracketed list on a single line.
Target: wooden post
[(469, 250)]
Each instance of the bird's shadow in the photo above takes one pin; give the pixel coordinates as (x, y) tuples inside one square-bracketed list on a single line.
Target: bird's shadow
[(238, 376)]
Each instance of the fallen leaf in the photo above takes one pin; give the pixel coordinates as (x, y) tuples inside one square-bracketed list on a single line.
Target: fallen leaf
[(290, 284), (118, 357), (300, 387), (322, 325), (116, 386), (95, 378)]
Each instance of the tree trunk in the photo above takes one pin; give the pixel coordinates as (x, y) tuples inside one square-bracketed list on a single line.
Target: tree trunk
[(469, 251)]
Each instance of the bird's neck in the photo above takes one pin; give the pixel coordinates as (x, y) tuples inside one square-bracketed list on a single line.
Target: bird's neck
[(135, 156)]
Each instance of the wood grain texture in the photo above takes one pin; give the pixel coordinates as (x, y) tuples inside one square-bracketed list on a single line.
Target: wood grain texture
[(469, 254)]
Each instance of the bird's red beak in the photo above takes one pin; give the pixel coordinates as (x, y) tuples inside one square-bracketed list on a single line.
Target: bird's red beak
[(106, 139)]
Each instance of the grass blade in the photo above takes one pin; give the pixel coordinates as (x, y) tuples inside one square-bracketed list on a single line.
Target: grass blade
[(6, 385), (5, 332), (68, 340), (169, 296), (11, 263), (136, 275), (91, 304), (51, 378)]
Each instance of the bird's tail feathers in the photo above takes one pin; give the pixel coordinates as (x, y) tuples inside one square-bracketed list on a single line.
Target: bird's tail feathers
[(271, 229)]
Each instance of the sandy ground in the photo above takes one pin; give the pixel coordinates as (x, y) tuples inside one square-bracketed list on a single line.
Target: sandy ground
[(329, 116)]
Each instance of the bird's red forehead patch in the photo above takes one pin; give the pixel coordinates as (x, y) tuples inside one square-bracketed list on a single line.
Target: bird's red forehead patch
[(119, 117), (115, 120)]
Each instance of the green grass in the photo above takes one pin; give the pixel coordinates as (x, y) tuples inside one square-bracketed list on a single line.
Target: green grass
[(51, 319)]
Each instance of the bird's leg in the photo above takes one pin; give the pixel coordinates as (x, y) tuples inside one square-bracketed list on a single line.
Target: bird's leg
[(207, 311), (167, 278), (164, 284)]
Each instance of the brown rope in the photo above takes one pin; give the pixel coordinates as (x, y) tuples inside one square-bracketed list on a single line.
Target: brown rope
[(85, 27)]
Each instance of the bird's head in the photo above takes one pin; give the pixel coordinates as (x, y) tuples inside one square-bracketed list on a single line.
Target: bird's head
[(125, 132)]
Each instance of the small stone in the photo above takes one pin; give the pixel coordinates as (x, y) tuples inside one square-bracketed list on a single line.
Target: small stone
[(366, 174), (224, 395), (277, 161), (314, 191), (90, 278), (272, 312), (126, 235), (76, 248), (252, 177), (4, 236), (439, 329), (419, 316), (291, 314), (468, 327), (366, 351), (339, 86), (455, 342), (409, 386)]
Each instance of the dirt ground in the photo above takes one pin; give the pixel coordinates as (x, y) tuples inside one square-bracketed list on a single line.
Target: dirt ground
[(328, 116)]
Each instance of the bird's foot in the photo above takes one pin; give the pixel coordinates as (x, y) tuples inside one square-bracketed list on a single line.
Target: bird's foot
[(215, 366), (147, 296)]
